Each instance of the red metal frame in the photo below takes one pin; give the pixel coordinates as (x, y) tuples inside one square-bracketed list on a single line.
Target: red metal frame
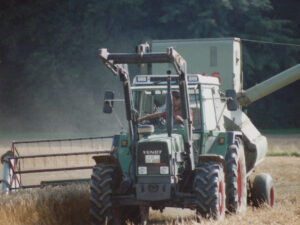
[(15, 161)]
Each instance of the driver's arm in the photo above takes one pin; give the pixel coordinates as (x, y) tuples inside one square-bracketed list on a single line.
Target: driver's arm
[(151, 116)]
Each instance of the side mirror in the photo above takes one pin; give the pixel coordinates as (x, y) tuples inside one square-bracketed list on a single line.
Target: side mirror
[(231, 101), (108, 101)]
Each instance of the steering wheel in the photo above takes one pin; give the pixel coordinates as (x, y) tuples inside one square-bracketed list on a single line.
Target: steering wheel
[(160, 121), (155, 119)]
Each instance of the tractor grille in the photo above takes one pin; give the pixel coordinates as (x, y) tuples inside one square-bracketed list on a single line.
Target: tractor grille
[(153, 155)]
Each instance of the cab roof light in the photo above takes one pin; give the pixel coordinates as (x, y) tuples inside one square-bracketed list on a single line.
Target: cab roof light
[(141, 79), (193, 79)]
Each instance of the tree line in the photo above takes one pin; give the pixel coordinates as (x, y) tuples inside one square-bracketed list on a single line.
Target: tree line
[(52, 80)]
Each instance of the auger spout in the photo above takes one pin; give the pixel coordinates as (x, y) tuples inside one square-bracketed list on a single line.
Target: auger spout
[(269, 86)]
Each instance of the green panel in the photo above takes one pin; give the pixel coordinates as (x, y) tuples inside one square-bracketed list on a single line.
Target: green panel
[(217, 148), (124, 154)]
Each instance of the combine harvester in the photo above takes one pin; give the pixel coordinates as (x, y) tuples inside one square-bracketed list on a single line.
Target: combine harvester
[(35, 164), (199, 157)]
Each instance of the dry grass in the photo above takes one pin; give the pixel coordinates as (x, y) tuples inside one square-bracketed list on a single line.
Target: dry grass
[(284, 213), (69, 205), (50, 206)]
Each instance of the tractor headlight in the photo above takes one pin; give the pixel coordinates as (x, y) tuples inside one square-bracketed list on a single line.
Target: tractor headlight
[(142, 170), (164, 170)]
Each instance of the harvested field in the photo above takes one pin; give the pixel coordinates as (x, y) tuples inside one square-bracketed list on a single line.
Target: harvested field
[(286, 175), (69, 205), (283, 143)]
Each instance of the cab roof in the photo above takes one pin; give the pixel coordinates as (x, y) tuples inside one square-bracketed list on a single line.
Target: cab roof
[(161, 80)]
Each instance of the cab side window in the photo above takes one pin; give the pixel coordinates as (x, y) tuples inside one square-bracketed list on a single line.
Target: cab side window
[(209, 110), (195, 108)]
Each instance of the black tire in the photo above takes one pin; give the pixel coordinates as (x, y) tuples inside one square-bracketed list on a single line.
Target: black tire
[(236, 180), (104, 182), (209, 189), (263, 190)]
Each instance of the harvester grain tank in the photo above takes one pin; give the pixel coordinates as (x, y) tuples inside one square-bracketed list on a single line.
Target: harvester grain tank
[(202, 161)]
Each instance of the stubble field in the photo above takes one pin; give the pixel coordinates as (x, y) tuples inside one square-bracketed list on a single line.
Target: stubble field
[(69, 205)]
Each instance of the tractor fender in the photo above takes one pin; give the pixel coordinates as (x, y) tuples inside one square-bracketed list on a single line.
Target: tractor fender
[(212, 158), (109, 157), (106, 159), (250, 150), (232, 136)]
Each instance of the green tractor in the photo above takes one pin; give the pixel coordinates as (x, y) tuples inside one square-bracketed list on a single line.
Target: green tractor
[(197, 154)]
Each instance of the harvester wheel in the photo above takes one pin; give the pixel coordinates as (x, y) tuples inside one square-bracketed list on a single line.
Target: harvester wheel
[(236, 181), (263, 190), (209, 189), (104, 182)]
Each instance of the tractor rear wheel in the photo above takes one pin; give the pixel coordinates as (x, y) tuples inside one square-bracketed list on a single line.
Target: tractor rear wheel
[(236, 181), (263, 190), (104, 182), (209, 189)]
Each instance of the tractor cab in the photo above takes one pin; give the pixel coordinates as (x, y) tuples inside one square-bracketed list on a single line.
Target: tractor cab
[(149, 98)]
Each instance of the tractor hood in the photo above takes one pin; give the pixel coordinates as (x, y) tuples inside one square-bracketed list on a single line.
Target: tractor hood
[(174, 143)]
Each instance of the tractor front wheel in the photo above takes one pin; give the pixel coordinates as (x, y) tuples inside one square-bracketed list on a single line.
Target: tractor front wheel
[(209, 189), (104, 182)]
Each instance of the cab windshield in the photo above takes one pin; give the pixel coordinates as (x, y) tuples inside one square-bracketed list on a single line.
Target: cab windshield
[(153, 101)]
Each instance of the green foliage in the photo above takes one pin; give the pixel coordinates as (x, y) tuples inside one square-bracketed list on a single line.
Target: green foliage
[(50, 70), (293, 154), (280, 131)]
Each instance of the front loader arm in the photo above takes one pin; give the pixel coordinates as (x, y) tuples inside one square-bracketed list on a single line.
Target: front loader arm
[(171, 56), (115, 62)]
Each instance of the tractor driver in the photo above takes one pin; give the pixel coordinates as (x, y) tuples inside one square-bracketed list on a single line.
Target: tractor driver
[(176, 108), (161, 112)]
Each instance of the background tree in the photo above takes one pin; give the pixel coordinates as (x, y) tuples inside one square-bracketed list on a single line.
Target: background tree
[(51, 79)]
